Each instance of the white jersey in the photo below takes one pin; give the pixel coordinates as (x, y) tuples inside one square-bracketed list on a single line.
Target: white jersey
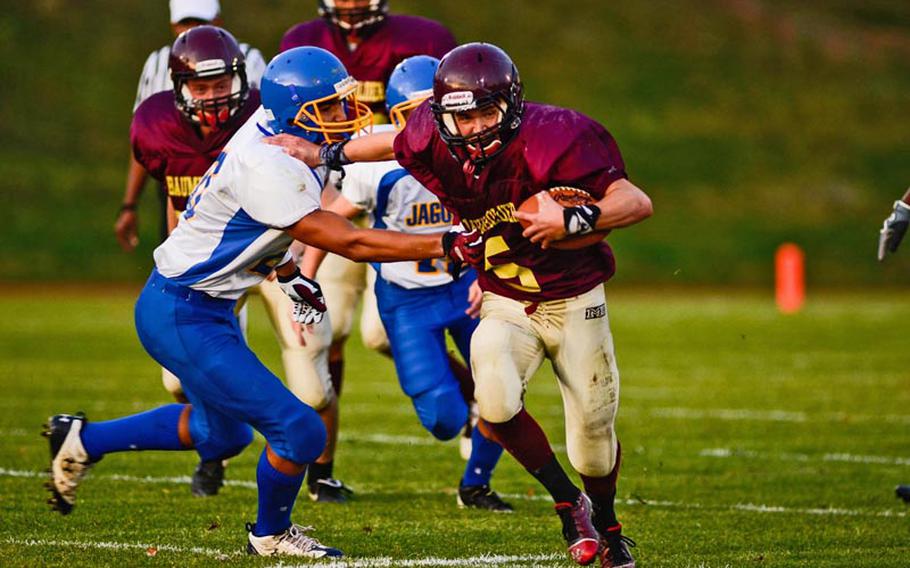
[(230, 237), (397, 201), (156, 75)]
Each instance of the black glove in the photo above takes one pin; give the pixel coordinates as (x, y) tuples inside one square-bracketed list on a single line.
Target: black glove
[(309, 303), (332, 155), (581, 219), (893, 229)]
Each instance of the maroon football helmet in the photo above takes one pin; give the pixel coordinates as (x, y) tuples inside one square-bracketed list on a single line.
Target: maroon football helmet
[(476, 76), (204, 52), (354, 20)]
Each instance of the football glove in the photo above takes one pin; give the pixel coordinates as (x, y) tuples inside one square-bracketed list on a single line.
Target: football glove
[(332, 155), (306, 295), (463, 247), (893, 229)]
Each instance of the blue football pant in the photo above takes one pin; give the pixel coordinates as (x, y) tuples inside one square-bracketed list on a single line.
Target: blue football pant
[(416, 321), (197, 338)]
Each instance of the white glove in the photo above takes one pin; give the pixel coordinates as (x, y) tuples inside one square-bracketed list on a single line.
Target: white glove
[(309, 303), (893, 229)]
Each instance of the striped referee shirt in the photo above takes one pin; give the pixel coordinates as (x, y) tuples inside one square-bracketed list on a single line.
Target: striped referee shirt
[(156, 76)]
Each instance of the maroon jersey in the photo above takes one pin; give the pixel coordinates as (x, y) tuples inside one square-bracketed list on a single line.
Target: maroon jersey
[(371, 63), (553, 147), (169, 147)]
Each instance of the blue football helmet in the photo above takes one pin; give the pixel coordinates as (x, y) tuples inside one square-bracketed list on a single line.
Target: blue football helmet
[(410, 84), (301, 85)]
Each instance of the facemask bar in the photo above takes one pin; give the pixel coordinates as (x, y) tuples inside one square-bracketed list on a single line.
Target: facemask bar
[(309, 117), (398, 114)]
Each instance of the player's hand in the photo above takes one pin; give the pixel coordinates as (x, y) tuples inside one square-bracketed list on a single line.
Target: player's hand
[(309, 303), (297, 147), (475, 299), (893, 229), (547, 224), (462, 247), (126, 229)]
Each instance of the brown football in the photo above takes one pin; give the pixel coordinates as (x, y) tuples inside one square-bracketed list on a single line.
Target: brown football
[(567, 197)]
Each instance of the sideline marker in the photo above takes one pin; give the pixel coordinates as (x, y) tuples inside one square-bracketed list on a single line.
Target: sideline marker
[(790, 282)]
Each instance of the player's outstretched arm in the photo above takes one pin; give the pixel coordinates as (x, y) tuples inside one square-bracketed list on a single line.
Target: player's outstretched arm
[(313, 256), (331, 232), (371, 148), (623, 204)]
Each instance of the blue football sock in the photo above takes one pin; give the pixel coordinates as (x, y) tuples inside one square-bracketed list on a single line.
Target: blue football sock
[(484, 455), (151, 430), (277, 493)]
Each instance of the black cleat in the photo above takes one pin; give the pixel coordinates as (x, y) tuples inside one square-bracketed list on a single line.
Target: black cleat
[(329, 490), (903, 491), (614, 551), (208, 478), (481, 497), (581, 537), (69, 461)]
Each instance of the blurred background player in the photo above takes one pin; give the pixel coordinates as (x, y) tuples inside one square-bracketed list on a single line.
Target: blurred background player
[(156, 77), (419, 301), (176, 136), (893, 230), (483, 151), (241, 218), (370, 42)]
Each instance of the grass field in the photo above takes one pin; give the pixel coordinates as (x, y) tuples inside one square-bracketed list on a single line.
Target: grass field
[(751, 439)]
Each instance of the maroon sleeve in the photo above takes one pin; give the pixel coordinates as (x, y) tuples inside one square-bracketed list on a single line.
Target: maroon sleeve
[(412, 145), (578, 152), (443, 42), (288, 40), (141, 142)]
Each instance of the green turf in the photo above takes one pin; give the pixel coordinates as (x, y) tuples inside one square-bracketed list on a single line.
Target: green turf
[(728, 409)]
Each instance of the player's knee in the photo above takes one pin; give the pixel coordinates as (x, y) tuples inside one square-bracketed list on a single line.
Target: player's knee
[(442, 411), (228, 441), (305, 435), (496, 402), (375, 338)]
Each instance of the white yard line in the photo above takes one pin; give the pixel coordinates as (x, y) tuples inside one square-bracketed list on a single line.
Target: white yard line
[(830, 457), (375, 562), (747, 507), (149, 549)]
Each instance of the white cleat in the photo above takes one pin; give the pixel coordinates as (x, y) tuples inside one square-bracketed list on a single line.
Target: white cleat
[(69, 460), (292, 542)]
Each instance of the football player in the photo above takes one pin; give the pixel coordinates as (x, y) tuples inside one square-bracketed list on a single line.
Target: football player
[(156, 77), (483, 151), (241, 218), (420, 301), (176, 136), (370, 42)]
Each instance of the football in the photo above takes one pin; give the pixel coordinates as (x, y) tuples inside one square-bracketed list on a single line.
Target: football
[(567, 197)]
